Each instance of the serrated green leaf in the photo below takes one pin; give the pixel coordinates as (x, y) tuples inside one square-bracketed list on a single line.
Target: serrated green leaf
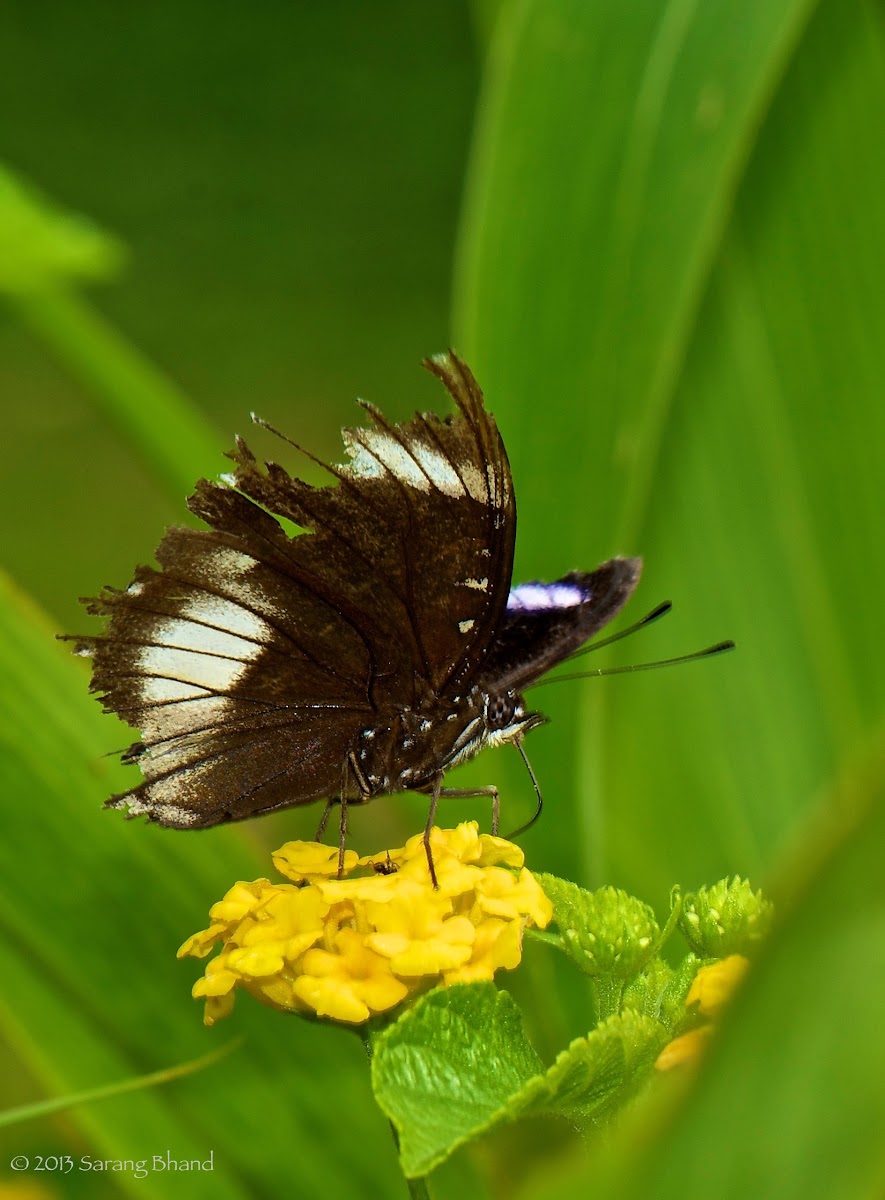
[(646, 992), (596, 1073), (673, 1012), (448, 1068), (458, 1064), (660, 991), (42, 246)]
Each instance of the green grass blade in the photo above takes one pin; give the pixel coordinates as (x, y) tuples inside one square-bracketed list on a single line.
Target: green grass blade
[(92, 909), (109, 1091), (770, 481), (42, 246), (667, 286), (175, 441), (44, 251)]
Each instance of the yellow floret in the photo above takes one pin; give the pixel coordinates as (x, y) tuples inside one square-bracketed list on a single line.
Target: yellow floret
[(685, 1049), (300, 861), (713, 985)]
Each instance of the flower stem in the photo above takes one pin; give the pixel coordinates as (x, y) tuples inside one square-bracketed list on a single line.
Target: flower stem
[(418, 1188), (609, 993)]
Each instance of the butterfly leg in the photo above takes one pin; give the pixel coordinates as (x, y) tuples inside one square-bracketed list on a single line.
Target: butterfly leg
[(464, 793), (342, 829), (431, 817), (342, 836), (364, 795), (324, 820)]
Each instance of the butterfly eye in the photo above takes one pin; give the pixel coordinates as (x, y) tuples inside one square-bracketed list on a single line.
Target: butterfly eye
[(500, 710)]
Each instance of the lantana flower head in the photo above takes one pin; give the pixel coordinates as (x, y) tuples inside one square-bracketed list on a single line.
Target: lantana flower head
[(353, 947)]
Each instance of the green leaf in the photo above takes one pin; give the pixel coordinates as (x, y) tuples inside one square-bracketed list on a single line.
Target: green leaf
[(622, 130), (42, 252), (448, 1069), (596, 1074), (42, 1108), (660, 991), (671, 260), (62, 1043), (41, 246), (630, 125), (152, 414), (458, 1064)]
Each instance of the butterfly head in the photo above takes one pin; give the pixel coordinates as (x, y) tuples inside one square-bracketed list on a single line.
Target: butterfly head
[(486, 718), (506, 719)]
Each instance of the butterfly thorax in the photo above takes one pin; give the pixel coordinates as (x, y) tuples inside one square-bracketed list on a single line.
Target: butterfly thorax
[(409, 751)]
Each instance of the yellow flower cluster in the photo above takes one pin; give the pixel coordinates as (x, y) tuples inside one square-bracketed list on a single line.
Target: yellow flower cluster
[(351, 947), (710, 991)]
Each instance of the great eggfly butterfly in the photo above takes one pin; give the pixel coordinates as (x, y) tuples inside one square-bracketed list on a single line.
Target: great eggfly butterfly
[(370, 653)]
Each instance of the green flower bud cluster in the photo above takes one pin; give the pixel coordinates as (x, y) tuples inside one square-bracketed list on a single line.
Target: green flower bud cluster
[(606, 932), (726, 918)]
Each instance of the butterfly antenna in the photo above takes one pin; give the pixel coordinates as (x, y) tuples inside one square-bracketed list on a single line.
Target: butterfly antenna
[(654, 615), (709, 652), (540, 804)]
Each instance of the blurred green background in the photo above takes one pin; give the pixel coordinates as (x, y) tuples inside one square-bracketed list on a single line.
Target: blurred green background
[(657, 232)]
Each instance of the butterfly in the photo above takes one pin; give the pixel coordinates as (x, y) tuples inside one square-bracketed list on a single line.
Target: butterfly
[(370, 653)]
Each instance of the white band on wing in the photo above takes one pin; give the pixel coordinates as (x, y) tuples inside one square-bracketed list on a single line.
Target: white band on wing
[(531, 597)]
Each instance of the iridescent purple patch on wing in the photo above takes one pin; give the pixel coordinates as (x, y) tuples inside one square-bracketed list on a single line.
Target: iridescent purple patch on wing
[(532, 597)]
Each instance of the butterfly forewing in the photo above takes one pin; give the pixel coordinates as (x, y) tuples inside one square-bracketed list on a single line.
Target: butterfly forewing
[(456, 525), (416, 539)]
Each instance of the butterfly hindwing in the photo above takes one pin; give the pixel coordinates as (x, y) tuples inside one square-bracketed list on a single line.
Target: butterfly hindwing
[(546, 622), (240, 769)]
